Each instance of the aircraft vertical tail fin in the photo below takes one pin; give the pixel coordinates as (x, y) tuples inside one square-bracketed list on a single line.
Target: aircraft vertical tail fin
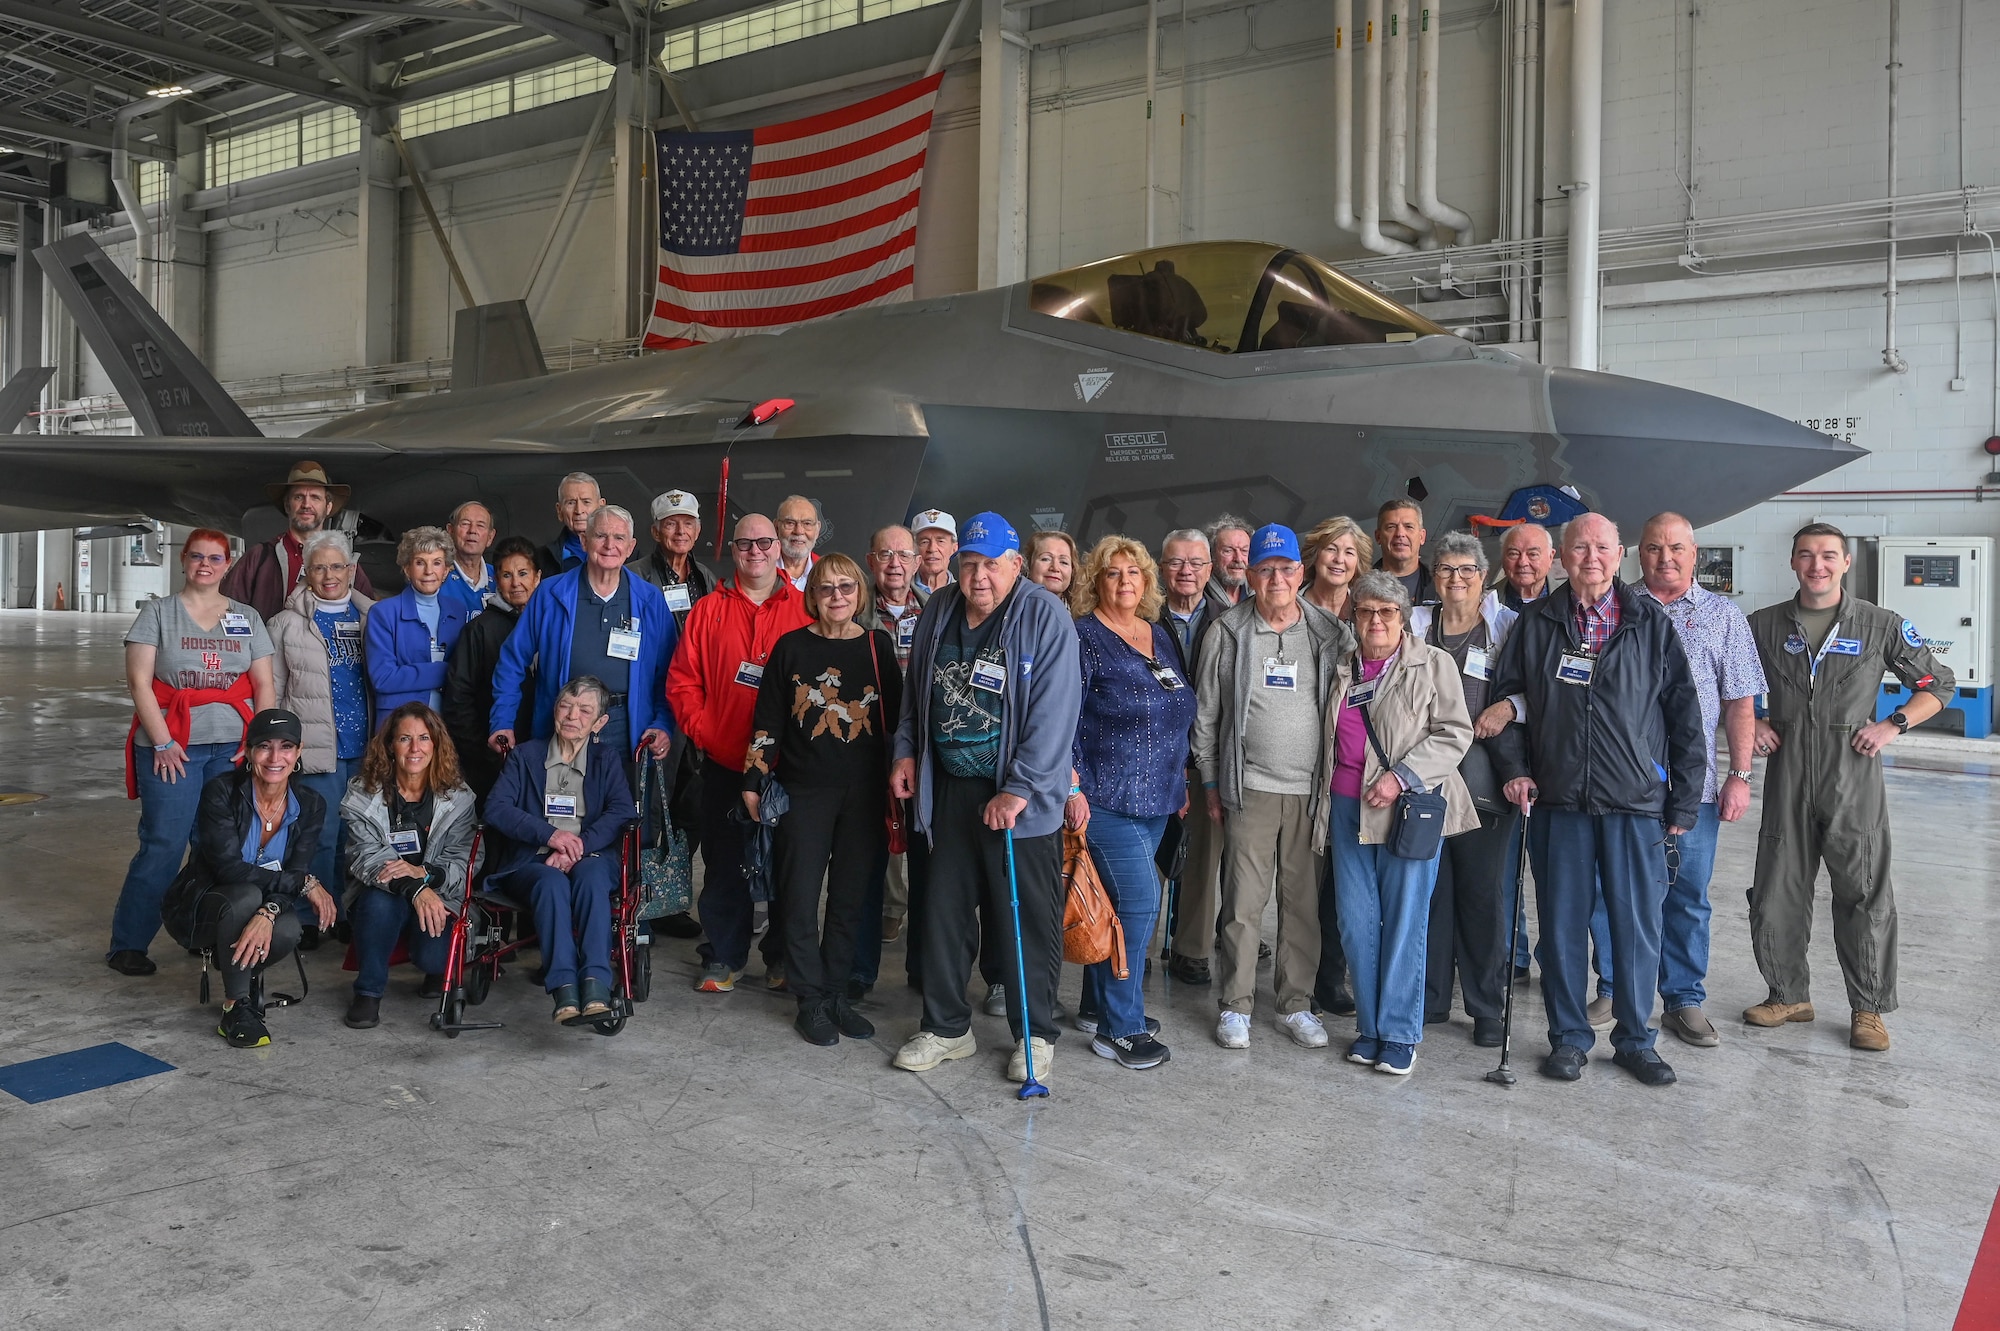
[(165, 386), (20, 394), (495, 344)]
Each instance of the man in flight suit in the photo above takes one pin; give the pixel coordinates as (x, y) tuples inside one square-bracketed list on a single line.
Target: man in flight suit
[(1824, 654)]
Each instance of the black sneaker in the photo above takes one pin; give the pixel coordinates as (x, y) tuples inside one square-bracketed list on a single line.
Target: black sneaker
[(1646, 1065), (432, 987), (1564, 1063), (1263, 951), (364, 1013), (1137, 1052), (857, 990), (242, 1027), (851, 1023), (815, 1024), (130, 962), (1338, 1002), (309, 938), (1486, 1032), (1189, 970)]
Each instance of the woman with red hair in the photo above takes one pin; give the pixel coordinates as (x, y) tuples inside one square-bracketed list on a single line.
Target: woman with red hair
[(199, 667)]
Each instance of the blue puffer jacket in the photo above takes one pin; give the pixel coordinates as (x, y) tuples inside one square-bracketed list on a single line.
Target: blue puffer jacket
[(543, 637)]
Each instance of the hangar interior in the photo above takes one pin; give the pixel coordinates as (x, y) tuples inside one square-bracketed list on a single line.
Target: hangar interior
[(1793, 207)]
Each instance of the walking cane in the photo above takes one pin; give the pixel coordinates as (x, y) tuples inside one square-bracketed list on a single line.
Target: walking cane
[(1029, 1088), (1504, 1074)]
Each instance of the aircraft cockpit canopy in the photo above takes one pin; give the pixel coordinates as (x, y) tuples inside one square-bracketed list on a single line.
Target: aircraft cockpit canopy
[(1228, 296)]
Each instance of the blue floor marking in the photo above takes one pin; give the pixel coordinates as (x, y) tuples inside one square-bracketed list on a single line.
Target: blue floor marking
[(78, 1071)]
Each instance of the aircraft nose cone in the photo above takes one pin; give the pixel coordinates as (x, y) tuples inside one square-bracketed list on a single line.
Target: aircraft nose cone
[(1637, 448)]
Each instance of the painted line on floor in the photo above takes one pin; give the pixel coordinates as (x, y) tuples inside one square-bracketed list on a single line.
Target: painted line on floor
[(1980, 1310), (80, 1070)]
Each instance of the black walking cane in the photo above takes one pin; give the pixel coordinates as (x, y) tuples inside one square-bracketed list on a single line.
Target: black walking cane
[(1504, 1074)]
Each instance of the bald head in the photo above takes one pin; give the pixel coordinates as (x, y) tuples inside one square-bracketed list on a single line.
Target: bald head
[(1667, 555), (756, 553), (1591, 554), (1527, 553)]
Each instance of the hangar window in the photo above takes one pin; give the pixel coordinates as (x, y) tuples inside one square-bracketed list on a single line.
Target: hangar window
[(1228, 296), (774, 25)]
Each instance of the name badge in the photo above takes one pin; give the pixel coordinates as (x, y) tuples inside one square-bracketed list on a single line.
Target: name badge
[(1845, 647), (749, 674), (275, 866), (406, 842), (1576, 669), (437, 652), (1796, 644), (906, 632), (1169, 680), (235, 625), (559, 806), (347, 628), (1362, 693), (1476, 663), (678, 598), (990, 676), (624, 645), (1280, 674)]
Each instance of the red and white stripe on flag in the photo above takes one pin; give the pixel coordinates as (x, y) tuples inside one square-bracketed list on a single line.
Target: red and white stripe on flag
[(762, 229)]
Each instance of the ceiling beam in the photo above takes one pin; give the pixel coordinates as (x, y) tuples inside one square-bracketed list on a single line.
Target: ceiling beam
[(45, 17), (442, 13), (77, 136), (587, 39), (311, 48)]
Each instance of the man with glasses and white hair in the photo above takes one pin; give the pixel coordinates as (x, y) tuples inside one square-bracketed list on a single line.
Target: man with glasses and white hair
[(712, 688), (802, 526), (577, 497), (892, 565), (600, 621), (1190, 608)]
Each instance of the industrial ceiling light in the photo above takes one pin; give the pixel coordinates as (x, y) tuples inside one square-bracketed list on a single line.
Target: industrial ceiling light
[(170, 90)]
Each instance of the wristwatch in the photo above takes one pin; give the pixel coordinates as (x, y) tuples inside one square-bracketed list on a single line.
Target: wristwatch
[(1901, 721), (1740, 776)]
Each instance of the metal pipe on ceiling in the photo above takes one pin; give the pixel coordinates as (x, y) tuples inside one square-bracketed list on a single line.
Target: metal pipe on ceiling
[(1892, 357), (1343, 116), (1371, 137), (1396, 91)]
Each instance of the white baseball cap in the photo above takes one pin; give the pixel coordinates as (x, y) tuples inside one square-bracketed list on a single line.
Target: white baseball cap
[(673, 502), (935, 517)]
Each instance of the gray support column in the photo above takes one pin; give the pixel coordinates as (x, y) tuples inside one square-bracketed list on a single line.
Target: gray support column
[(1003, 144), (634, 248), (379, 208), (24, 310), (184, 248)]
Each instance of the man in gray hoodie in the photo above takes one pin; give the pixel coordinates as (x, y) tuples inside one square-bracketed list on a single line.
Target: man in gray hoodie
[(989, 714)]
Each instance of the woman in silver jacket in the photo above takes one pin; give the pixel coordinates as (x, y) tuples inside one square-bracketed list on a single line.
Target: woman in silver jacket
[(319, 676), (410, 824), (1407, 693)]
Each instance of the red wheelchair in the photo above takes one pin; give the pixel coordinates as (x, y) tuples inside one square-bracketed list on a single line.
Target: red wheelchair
[(493, 928)]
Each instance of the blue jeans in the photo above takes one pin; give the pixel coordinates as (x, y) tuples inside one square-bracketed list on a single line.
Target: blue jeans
[(1571, 852), (1384, 902), (166, 830), (330, 865), (380, 918), (1122, 849), (572, 914), (1684, 917)]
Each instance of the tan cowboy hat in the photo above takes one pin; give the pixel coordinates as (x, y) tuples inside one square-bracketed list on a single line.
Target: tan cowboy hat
[(310, 473)]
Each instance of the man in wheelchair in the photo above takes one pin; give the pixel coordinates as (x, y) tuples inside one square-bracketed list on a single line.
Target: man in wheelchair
[(558, 810)]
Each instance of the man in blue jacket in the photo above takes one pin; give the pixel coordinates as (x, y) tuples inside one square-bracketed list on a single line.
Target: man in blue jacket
[(596, 620), (989, 714)]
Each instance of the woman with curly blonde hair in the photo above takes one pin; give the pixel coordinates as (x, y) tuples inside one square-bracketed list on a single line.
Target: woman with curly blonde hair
[(410, 821), (1337, 552), (1130, 759)]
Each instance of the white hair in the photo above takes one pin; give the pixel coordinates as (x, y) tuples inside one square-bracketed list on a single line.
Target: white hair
[(603, 511), (578, 478), (327, 536)]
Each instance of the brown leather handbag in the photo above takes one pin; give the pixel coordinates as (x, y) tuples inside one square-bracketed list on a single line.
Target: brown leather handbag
[(1092, 931)]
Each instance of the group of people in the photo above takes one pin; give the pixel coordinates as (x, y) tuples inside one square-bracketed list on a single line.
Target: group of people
[(1375, 737)]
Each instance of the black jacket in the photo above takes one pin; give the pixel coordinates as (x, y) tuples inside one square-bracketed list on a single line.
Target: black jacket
[(468, 693), (551, 559), (228, 811), (1213, 607), (655, 569), (1629, 741)]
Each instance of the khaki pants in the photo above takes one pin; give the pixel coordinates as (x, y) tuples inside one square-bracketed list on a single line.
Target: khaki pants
[(1269, 840), (896, 888), (1195, 909)]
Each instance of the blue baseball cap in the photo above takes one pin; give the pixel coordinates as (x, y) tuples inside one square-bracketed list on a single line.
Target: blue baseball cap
[(1273, 542), (990, 535)]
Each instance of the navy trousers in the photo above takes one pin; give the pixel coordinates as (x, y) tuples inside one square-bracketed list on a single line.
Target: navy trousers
[(1570, 851)]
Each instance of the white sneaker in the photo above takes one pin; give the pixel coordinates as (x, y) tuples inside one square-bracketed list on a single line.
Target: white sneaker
[(996, 1000), (1017, 1065), (925, 1050), (1233, 1031), (1304, 1028)]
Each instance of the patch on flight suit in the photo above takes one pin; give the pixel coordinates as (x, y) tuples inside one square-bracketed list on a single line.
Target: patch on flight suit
[(1795, 644), (1911, 636)]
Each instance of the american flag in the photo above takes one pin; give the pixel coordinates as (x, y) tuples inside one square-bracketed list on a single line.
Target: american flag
[(761, 229)]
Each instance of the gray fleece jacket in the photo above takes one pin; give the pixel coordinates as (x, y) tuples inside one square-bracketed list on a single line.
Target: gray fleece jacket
[(1222, 690), (1039, 707)]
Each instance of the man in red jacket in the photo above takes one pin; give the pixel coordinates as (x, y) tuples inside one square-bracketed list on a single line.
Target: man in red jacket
[(712, 689), (268, 573)]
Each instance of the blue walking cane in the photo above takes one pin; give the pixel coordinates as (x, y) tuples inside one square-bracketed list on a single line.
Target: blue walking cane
[(1030, 1089)]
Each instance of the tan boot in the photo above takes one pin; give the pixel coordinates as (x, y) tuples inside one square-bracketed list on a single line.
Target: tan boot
[(1771, 1012), (1868, 1032)]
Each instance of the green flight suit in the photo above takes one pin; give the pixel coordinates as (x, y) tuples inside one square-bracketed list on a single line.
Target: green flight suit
[(1824, 801)]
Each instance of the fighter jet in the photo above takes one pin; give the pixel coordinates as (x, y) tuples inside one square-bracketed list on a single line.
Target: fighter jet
[(1136, 394)]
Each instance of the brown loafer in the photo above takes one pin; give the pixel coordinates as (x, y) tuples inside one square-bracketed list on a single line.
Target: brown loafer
[(892, 928), (1868, 1032), (1771, 1012), (1693, 1027)]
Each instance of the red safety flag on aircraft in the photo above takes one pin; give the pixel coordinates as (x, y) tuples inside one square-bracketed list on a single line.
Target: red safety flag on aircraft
[(762, 229)]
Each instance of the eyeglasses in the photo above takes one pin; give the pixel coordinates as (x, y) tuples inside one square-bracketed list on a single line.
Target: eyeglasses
[(195, 558), (745, 544), (1384, 613), (1176, 565), (798, 524), (841, 590), (321, 570), (1467, 572), (895, 556)]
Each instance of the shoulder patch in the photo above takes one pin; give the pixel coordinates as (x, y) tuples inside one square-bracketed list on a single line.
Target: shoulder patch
[(1911, 636)]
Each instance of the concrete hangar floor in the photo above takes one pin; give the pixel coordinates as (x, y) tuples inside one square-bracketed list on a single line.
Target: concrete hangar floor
[(708, 1168)]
